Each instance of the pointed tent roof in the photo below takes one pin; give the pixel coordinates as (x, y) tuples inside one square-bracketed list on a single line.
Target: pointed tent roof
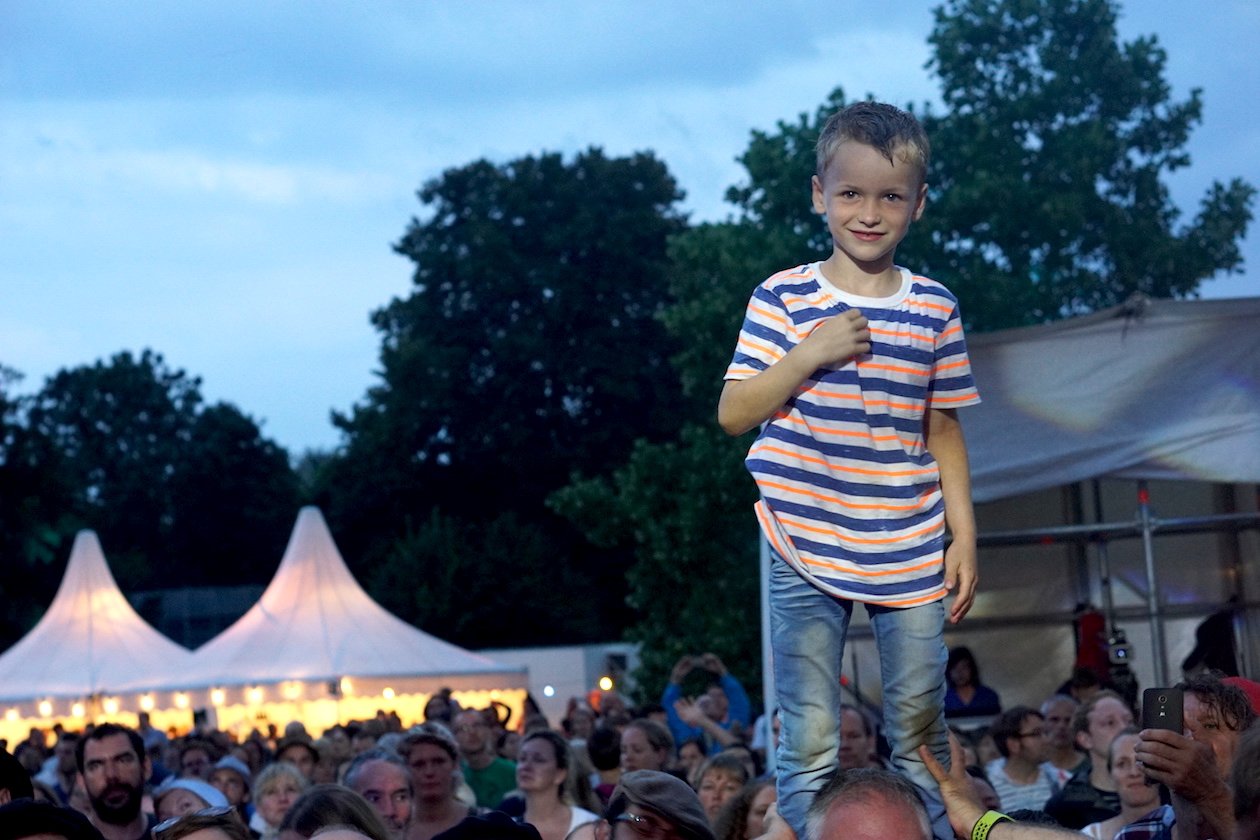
[(314, 622), (90, 641)]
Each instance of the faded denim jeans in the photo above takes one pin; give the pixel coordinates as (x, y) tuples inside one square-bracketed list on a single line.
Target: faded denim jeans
[(807, 631)]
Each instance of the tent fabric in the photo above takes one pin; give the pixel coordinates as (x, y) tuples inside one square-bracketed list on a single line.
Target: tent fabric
[(315, 623), (1152, 389), (90, 641)]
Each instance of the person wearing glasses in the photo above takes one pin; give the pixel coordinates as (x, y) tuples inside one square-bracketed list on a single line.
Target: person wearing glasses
[(1020, 776), (650, 805)]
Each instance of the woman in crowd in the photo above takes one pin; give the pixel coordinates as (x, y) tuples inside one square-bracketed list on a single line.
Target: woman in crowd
[(720, 778), (327, 805), (276, 788), (743, 816), (965, 695), (176, 797), (211, 825), (430, 751), (543, 774), (645, 745), (1137, 798), (691, 755)]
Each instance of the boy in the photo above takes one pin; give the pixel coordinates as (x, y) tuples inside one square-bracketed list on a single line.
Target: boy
[(856, 367)]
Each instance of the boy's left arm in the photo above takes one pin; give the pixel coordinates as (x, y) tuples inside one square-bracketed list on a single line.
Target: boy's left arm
[(944, 439)]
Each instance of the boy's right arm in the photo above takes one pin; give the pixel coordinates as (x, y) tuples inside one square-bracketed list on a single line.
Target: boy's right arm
[(747, 403)]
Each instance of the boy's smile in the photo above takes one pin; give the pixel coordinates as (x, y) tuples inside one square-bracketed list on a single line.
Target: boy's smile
[(869, 204)]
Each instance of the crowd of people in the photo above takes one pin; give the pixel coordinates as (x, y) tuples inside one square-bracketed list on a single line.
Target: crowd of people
[(688, 767)]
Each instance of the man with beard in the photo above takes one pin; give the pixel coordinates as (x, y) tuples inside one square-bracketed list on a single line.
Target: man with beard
[(115, 768)]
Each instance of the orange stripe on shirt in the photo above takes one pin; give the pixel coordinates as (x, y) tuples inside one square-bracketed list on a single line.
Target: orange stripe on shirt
[(823, 564), (785, 417), (762, 447), (840, 502), (844, 538)]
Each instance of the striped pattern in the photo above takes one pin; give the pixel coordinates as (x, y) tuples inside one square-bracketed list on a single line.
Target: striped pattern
[(850, 496)]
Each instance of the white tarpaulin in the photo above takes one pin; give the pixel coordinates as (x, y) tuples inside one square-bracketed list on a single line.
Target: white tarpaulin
[(89, 643), (1153, 389)]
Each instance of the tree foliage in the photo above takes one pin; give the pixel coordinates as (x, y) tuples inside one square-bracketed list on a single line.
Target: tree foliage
[(180, 493), (530, 349), (1047, 195)]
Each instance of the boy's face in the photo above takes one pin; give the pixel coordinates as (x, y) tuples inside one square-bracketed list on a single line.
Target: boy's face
[(869, 204)]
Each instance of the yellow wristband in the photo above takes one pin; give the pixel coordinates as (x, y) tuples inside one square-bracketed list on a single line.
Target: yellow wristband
[(980, 831)]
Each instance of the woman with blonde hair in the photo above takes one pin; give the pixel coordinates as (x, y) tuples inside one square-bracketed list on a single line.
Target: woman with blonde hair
[(276, 789)]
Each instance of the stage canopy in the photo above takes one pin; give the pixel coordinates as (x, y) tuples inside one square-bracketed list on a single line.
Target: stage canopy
[(1154, 389), (88, 650)]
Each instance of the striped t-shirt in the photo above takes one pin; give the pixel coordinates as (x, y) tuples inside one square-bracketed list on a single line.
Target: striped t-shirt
[(850, 496)]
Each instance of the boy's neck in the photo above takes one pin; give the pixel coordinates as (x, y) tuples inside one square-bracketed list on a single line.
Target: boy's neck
[(872, 282)]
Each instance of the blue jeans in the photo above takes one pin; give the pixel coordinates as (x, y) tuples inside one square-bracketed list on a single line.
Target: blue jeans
[(807, 633)]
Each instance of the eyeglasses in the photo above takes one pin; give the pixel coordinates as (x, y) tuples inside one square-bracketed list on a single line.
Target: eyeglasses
[(1036, 733), (644, 827), (204, 813)]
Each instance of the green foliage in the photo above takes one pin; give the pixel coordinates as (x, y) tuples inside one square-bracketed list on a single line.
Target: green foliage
[(529, 349), (1046, 198), (775, 200), (128, 449), (484, 584), (685, 508)]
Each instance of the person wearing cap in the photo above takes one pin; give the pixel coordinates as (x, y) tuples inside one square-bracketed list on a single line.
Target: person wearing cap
[(653, 805), (177, 797), (232, 778)]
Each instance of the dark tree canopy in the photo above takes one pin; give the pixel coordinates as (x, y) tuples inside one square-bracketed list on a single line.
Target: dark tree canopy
[(180, 493), (530, 350), (1047, 198)]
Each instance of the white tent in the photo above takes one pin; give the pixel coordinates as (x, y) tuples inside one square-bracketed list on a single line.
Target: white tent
[(317, 648), (89, 648)]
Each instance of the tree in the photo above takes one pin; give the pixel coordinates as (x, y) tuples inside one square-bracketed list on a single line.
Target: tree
[(683, 507), (33, 519), (529, 349), (1046, 195), (180, 494)]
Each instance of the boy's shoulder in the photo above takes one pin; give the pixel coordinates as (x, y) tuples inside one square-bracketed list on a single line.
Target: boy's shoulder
[(790, 277)]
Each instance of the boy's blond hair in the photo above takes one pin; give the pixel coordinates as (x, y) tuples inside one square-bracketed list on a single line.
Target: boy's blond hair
[(887, 128)]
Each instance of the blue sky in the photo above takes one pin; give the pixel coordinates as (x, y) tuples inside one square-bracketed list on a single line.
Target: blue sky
[(222, 181)]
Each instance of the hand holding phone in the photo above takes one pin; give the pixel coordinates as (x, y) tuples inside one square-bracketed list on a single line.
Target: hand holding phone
[(1162, 709)]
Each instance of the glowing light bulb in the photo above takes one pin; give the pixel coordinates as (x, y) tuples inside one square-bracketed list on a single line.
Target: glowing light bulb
[(388, 693), (181, 700), (146, 702), (549, 691), (45, 708), (217, 697), (606, 683), (76, 710)]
